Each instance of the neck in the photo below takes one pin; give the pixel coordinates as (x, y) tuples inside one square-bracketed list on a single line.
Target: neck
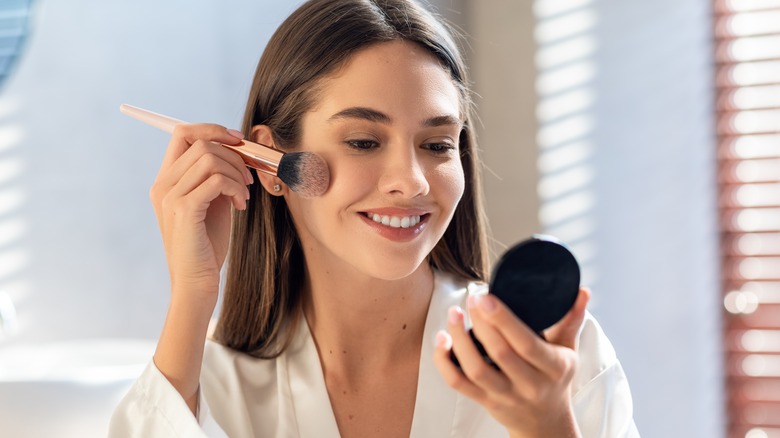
[(366, 323)]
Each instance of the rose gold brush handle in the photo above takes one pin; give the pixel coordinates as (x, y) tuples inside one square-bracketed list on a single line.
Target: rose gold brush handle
[(255, 155)]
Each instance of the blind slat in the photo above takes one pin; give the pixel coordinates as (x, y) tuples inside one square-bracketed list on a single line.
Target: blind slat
[(747, 80)]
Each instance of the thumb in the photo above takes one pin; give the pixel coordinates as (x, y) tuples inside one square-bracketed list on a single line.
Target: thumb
[(564, 332)]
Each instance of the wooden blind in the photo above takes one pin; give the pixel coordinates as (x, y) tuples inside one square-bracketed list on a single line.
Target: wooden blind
[(747, 34)]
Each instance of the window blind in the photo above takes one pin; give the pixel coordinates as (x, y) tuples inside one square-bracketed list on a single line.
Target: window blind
[(14, 15), (747, 42)]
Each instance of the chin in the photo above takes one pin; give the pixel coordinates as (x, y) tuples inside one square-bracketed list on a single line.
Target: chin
[(395, 270)]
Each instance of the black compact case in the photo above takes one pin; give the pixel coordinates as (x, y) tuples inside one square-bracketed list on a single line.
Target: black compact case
[(539, 280)]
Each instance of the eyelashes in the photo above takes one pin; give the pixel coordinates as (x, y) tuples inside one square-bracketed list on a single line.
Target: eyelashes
[(440, 148), (436, 148), (362, 145)]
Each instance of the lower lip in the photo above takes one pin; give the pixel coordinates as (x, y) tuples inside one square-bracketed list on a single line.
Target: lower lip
[(396, 234)]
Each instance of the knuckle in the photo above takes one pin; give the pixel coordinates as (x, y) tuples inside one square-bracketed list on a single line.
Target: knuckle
[(209, 160), (456, 381), (491, 404), (166, 203), (532, 348), (181, 129), (155, 193), (480, 373), (570, 365), (200, 146), (502, 353), (218, 180)]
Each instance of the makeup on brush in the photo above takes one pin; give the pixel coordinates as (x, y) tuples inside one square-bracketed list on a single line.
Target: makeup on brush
[(539, 280), (305, 173)]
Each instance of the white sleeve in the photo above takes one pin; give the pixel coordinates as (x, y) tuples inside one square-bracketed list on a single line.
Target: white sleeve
[(602, 398), (154, 408)]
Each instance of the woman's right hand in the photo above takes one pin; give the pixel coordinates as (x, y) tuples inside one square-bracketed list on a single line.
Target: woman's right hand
[(198, 181)]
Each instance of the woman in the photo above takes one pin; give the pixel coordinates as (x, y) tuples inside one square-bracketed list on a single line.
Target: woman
[(340, 312)]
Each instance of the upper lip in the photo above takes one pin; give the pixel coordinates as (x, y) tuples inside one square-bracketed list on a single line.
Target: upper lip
[(395, 211)]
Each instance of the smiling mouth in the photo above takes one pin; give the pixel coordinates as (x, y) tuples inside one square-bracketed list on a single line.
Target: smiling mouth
[(396, 221)]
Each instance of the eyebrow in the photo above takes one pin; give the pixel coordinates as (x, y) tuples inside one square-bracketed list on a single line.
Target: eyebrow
[(373, 115)]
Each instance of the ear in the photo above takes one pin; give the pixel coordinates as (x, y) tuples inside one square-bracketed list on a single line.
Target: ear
[(262, 134)]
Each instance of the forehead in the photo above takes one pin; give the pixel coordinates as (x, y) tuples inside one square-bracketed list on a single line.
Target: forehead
[(396, 76)]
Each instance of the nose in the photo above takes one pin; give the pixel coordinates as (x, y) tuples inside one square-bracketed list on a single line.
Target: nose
[(403, 174)]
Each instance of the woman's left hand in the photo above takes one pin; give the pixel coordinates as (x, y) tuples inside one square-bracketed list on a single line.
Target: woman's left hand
[(531, 393)]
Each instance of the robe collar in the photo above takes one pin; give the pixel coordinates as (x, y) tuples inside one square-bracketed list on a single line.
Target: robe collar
[(438, 409)]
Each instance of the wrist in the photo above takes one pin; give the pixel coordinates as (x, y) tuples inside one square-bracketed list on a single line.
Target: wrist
[(197, 298), (563, 426)]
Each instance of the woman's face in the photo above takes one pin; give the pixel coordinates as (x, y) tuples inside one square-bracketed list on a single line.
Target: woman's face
[(388, 124)]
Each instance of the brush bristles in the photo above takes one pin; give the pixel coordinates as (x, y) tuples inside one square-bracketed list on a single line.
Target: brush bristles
[(305, 173)]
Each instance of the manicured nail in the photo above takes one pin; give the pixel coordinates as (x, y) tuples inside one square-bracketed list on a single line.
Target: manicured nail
[(487, 303), (235, 133), (248, 176), (455, 315), (443, 340)]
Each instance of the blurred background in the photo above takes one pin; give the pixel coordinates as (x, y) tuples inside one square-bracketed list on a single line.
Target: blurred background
[(615, 125)]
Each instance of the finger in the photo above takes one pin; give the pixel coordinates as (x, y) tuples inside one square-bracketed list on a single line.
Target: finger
[(207, 165), (471, 361), (565, 331), (454, 378), (195, 203), (186, 134), (171, 175), (527, 344), (512, 365)]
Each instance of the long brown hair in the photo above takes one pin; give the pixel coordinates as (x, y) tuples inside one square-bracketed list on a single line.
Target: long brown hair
[(265, 263)]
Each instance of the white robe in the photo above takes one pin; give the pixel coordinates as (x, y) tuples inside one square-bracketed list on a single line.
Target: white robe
[(242, 396)]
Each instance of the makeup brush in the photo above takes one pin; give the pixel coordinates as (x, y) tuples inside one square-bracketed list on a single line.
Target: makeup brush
[(305, 173)]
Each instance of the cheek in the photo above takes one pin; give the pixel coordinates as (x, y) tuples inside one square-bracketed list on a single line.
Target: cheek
[(348, 183), (349, 178), (451, 181)]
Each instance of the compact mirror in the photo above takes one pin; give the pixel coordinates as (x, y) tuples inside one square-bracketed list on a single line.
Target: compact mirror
[(539, 279)]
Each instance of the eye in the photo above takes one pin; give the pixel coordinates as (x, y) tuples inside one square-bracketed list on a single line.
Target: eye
[(362, 145), (439, 148)]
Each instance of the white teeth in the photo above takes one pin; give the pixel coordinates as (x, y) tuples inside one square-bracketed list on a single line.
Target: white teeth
[(396, 221)]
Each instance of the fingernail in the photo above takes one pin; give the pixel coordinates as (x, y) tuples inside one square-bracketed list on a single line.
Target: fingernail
[(235, 133), (443, 340), (248, 195), (455, 315), (248, 176), (487, 303), (472, 301)]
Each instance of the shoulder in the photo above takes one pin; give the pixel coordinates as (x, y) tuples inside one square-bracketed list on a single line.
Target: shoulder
[(229, 377), (234, 383), (226, 367)]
